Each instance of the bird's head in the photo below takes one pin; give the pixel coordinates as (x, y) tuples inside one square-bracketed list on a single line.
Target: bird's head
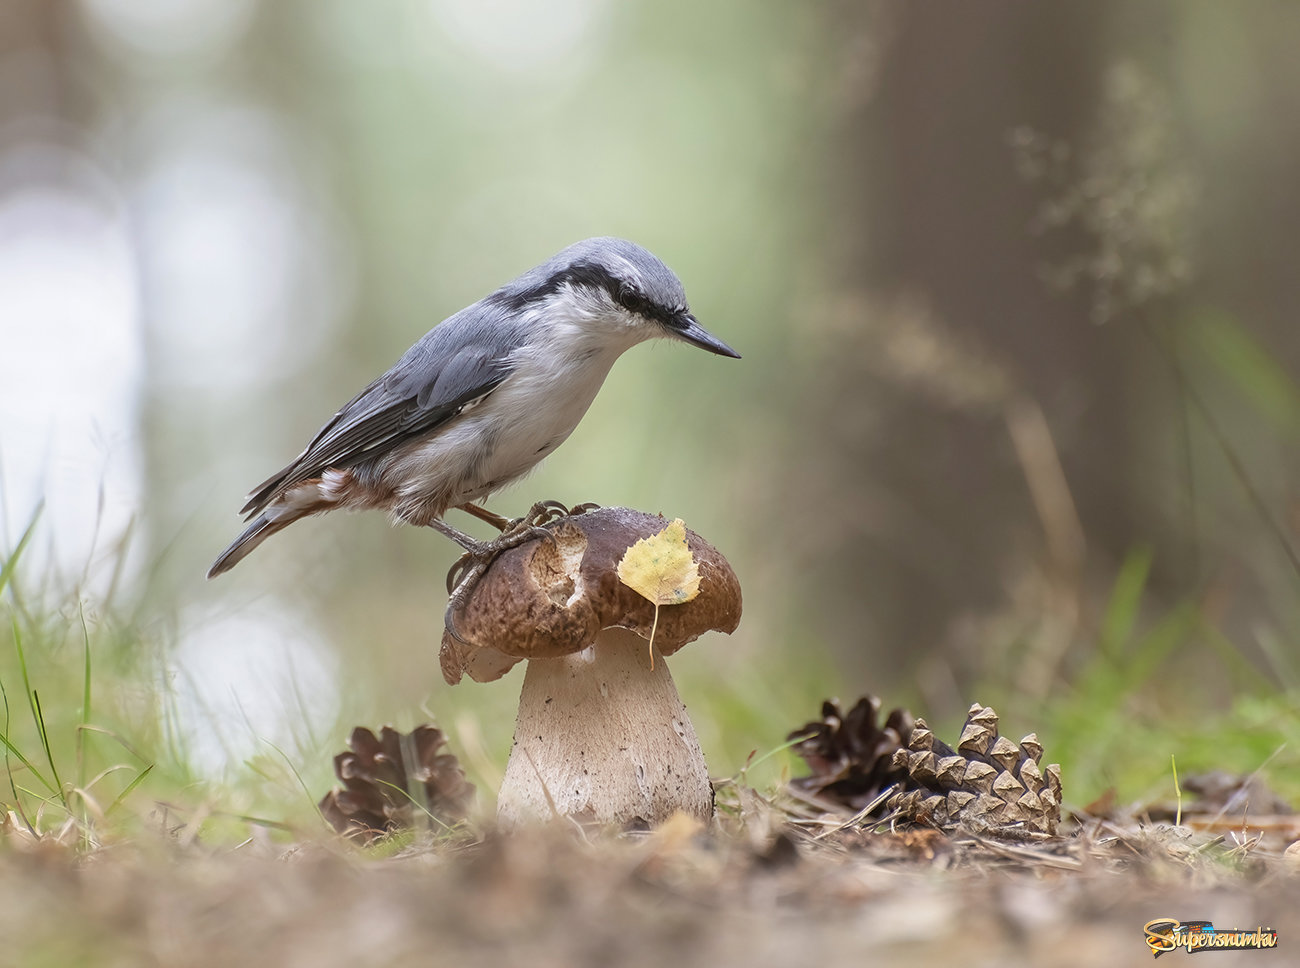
[(617, 285)]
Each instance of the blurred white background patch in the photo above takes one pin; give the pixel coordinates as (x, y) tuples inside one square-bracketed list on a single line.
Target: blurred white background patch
[(244, 682), (519, 35), (73, 354), (171, 29)]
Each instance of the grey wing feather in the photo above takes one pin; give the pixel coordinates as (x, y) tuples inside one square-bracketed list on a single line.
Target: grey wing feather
[(430, 385)]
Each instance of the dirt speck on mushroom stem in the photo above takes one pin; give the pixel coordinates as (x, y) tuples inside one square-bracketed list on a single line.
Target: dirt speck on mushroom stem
[(601, 735)]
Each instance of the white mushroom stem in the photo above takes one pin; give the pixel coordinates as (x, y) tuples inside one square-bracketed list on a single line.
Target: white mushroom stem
[(602, 737)]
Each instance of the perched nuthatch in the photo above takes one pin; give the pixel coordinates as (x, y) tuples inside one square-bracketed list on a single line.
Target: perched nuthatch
[(481, 398)]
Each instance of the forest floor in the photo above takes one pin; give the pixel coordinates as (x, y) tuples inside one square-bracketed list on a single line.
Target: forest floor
[(761, 887)]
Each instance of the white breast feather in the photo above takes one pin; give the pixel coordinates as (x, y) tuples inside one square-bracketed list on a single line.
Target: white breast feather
[(530, 414)]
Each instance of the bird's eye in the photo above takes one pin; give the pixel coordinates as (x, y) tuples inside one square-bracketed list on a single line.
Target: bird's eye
[(632, 299)]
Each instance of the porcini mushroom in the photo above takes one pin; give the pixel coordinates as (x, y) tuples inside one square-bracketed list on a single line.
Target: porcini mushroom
[(601, 735)]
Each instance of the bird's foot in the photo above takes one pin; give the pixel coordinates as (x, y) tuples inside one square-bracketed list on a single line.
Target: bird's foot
[(470, 566), (547, 512), (479, 555), (462, 578), (543, 512), (474, 563)]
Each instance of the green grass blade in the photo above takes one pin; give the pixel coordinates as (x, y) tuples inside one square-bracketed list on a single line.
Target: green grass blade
[(1178, 791), (1241, 667), (9, 770), (11, 563), (12, 750), (85, 699), (115, 737), (292, 769), (1150, 652), (85, 679), (34, 701), (1252, 367), (120, 559), (49, 801), (1224, 441), (27, 690), (750, 764), (1125, 600), (127, 790), (45, 744)]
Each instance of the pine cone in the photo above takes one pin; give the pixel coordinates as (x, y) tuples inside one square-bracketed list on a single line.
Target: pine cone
[(381, 776), (988, 784), (850, 755)]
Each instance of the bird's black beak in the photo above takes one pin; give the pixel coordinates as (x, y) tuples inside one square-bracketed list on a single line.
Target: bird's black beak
[(684, 327)]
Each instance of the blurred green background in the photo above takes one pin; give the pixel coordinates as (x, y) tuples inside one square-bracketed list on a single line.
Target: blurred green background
[(1014, 285)]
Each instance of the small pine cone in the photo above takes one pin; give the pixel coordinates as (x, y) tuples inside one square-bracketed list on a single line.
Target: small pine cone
[(382, 774), (988, 784), (851, 754)]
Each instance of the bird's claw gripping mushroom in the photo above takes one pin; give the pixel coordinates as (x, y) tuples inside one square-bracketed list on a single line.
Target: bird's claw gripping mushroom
[(601, 734), (470, 567), (546, 512)]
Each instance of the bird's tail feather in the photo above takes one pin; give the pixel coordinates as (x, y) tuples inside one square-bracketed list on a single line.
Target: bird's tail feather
[(261, 528)]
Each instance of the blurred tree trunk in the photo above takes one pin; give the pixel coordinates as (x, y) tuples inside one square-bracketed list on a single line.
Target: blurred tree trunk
[(931, 209), (37, 46)]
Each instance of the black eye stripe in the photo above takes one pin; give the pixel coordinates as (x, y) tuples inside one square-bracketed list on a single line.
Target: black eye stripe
[(595, 277)]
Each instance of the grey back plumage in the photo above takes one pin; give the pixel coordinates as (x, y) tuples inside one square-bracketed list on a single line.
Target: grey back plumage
[(458, 361), (468, 355)]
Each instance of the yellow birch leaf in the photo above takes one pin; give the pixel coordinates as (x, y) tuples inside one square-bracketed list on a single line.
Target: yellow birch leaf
[(661, 567)]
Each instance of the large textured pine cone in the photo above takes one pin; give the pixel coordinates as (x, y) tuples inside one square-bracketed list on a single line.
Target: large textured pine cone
[(382, 774), (988, 784), (850, 754)]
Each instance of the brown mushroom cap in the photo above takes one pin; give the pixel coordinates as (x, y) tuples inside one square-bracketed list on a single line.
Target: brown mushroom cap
[(543, 600)]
